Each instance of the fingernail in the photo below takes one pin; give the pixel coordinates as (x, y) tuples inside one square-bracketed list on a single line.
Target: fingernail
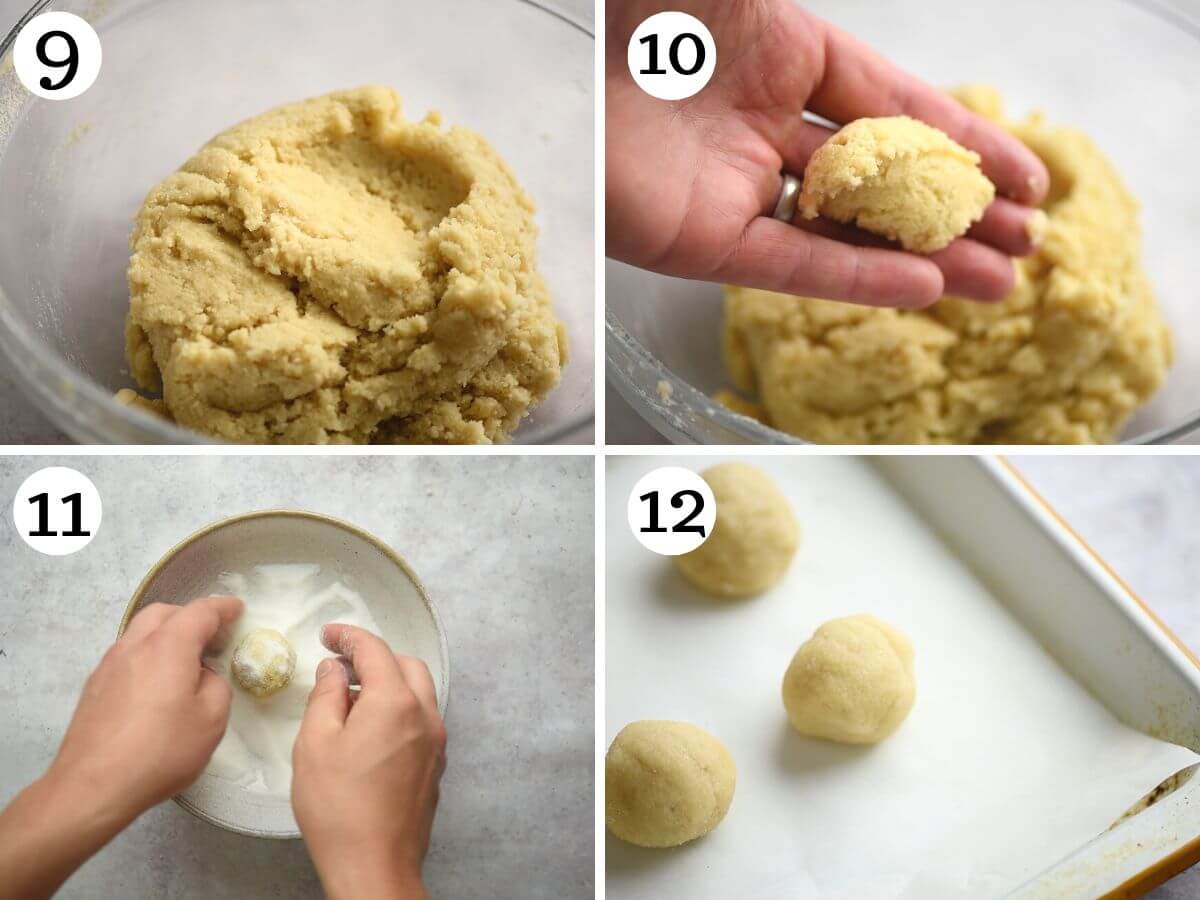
[(324, 667), (1035, 227)]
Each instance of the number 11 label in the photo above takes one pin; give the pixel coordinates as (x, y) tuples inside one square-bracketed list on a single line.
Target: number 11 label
[(57, 511), (671, 511)]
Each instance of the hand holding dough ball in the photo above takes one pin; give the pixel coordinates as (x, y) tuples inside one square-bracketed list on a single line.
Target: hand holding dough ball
[(899, 178), (852, 681), (263, 662), (753, 539), (666, 783)]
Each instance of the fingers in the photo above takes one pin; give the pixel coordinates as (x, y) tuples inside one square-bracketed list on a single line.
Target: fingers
[(329, 700), (776, 256), (858, 83), (1010, 227), (416, 675), (975, 271), (371, 657), (798, 146), (969, 268), (199, 623), (215, 693), (148, 619)]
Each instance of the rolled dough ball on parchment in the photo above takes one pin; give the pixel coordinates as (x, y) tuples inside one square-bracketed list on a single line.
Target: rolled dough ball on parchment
[(852, 681), (898, 178), (666, 783), (753, 539)]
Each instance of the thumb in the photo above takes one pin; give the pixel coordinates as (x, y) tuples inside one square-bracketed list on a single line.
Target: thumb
[(329, 702)]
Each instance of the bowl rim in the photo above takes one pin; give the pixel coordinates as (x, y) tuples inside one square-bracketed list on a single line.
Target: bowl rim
[(619, 342), (624, 352), (139, 593), (63, 381)]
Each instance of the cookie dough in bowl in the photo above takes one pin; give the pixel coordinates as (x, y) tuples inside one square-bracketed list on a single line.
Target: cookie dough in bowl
[(1066, 358), (329, 272)]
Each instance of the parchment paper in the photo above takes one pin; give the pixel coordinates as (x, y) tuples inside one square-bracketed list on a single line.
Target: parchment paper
[(1004, 766)]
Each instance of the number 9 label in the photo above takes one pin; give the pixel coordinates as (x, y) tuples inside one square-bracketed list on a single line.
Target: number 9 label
[(671, 511), (57, 510), (672, 55), (57, 56)]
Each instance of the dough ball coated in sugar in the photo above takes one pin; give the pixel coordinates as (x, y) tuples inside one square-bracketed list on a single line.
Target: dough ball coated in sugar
[(852, 681), (263, 662), (666, 783), (753, 539)]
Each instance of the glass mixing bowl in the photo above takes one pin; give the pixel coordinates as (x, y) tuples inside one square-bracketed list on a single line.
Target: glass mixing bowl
[(1124, 71), (177, 72)]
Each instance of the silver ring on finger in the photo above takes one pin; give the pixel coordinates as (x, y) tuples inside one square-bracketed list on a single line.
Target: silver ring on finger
[(789, 197)]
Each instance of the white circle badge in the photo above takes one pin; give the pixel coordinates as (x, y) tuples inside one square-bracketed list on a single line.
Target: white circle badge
[(672, 55), (671, 511), (57, 511), (57, 55)]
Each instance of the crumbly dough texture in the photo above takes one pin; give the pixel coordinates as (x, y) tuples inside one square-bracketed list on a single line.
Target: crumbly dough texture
[(666, 783), (328, 272), (899, 178), (851, 682), (264, 662), (753, 539), (1066, 358)]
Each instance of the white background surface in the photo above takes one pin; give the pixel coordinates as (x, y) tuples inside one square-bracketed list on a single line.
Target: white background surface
[(504, 546)]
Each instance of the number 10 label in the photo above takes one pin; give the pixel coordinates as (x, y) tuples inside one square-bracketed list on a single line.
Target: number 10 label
[(672, 56), (57, 510), (671, 511)]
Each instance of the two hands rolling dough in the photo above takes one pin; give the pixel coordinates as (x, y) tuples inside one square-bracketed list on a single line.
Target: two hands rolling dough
[(366, 776)]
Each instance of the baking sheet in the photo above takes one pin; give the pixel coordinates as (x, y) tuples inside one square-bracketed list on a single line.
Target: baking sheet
[(1005, 765)]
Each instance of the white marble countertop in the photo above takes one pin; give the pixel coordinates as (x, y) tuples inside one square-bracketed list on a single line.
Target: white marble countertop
[(504, 545)]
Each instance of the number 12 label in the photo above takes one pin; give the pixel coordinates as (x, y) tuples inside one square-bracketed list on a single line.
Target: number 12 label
[(671, 511)]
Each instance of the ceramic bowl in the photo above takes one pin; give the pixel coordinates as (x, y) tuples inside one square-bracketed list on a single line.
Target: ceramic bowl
[(392, 591)]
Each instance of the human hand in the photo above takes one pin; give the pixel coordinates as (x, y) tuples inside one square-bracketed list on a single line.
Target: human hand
[(691, 184), (366, 770), (146, 724), (151, 714)]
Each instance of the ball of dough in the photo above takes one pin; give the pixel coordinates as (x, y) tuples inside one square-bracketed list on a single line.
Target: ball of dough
[(899, 178), (264, 662), (666, 783), (852, 681), (753, 539)]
